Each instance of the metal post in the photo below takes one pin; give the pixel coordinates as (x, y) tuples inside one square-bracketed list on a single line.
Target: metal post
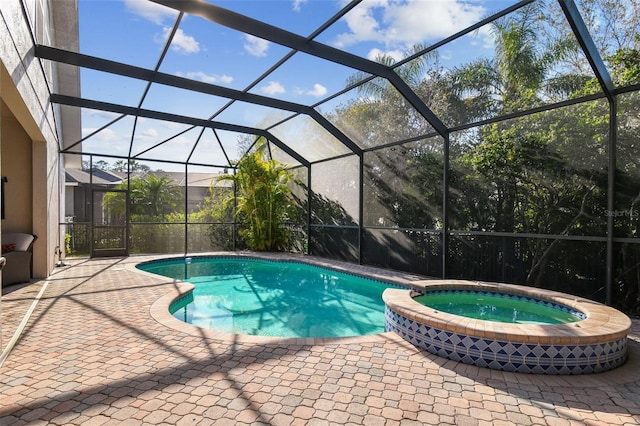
[(445, 206), (613, 140), (186, 208), (235, 206), (127, 212), (361, 209), (309, 202), (91, 208)]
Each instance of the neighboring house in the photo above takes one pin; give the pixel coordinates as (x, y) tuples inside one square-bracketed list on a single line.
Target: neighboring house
[(197, 184), (79, 185)]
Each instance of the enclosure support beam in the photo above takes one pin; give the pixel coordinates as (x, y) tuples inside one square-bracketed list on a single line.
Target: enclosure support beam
[(445, 207), (613, 141), (416, 102), (361, 208), (234, 224), (91, 62), (581, 32), (127, 213), (144, 74), (590, 50), (186, 209), (282, 37), (309, 202), (139, 112), (335, 132), (91, 206)]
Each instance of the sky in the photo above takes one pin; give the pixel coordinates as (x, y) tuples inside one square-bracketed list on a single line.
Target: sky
[(134, 32)]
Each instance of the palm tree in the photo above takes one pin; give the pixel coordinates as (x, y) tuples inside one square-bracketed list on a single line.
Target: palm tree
[(155, 196), (264, 202), (519, 76), (150, 197), (519, 169), (412, 73)]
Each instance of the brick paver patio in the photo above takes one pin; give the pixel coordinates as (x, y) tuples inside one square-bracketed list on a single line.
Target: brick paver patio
[(92, 354)]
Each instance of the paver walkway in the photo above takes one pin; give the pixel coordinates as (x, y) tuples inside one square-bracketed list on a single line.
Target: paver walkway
[(92, 354)]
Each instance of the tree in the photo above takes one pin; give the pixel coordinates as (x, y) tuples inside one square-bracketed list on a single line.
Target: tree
[(123, 166), (380, 114), (151, 198), (523, 73), (100, 165), (539, 174), (216, 209), (264, 202), (154, 196)]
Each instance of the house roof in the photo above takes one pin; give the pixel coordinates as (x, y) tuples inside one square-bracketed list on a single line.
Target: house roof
[(106, 177), (204, 180), (98, 177)]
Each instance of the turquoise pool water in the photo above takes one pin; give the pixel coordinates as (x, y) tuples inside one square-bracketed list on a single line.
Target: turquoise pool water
[(272, 298), (496, 307)]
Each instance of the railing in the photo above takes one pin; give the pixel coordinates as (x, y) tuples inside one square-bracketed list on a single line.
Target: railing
[(569, 264), (77, 238), (572, 264), (151, 238)]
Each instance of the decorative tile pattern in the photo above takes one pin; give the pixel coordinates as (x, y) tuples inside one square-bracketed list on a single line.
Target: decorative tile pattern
[(204, 258), (181, 301), (112, 362), (509, 355)]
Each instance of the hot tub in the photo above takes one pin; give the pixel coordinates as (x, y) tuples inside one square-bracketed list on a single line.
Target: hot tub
[(596, 341)]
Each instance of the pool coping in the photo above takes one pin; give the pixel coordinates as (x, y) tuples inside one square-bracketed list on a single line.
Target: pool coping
[(159, 309), (602, 322)]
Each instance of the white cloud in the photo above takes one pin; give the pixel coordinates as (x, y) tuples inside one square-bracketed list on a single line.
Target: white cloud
[(153, 12), (181, 140), (318, 90), (105, 135), (207, 78), (101, 114), (273, 88), (256, 46), (487, 39), (297, 4), (150, 133), (172, 125), (376, 53), (181, 42), (363, 25), (404, 23)]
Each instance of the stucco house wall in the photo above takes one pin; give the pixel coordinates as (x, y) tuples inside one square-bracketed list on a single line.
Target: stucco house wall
[(31, 127), (16, 167)]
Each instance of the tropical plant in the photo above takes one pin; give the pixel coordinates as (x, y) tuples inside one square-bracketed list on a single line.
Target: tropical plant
[(263, 200), (217, 212), (523, 72), (154, 195), (151, 198), (380, 114)]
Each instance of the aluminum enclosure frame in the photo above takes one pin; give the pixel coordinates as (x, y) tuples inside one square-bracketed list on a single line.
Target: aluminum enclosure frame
[(308, 45)]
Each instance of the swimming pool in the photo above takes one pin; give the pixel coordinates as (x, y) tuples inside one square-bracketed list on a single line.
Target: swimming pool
[(244, 295), (596, 342), (500, 307)]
